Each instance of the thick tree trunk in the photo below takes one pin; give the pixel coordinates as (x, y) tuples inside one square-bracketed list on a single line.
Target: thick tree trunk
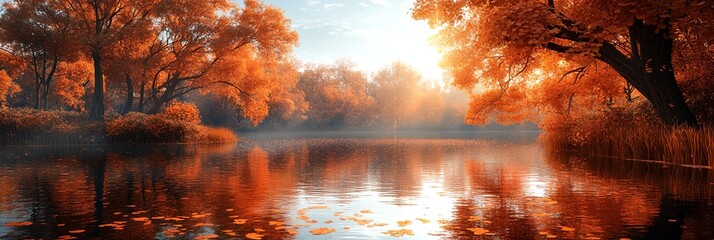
[(46, 91), (129, 95), (649, 70), (97, 112)]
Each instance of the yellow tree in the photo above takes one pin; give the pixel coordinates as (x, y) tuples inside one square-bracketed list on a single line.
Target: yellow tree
[(337, 94), (486, 42), (397, 93)]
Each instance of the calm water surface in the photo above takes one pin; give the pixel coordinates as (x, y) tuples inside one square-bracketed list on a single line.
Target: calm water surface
[(445, 186)]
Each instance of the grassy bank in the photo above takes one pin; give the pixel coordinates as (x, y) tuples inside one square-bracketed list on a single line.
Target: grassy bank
[(33, 127), (691, 147)]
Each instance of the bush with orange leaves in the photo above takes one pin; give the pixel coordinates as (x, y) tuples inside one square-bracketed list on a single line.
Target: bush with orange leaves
[(179, 123), (30, 126), (181, 111)]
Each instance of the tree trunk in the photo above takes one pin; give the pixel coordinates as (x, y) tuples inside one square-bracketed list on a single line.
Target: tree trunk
[(649, 70), (140, 108), (46, 91), (37, 96), (97, 112), (129, 95)]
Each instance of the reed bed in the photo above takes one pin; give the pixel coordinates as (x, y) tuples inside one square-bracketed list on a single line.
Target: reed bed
[(689, 147)]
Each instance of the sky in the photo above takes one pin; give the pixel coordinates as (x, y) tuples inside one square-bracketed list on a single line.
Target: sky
[(371, 33)]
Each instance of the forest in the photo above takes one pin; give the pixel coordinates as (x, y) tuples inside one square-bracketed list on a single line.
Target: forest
[(185, 71)]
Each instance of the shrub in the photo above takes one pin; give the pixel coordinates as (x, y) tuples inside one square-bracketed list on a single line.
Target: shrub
[(181, 111), (142, 128), (30, 126)]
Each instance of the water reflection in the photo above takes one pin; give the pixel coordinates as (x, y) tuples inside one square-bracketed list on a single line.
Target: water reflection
[(361, 188)]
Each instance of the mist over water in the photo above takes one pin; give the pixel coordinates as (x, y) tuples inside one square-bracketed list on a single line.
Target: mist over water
[(362, 184)]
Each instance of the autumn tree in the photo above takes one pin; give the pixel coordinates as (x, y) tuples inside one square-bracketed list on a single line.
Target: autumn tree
[(33, 30), (99, 25), (494, 44), (337, 94), (213, 47), (397, 91)]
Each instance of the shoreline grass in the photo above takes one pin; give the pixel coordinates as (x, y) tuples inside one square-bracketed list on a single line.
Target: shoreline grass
[(682, 146)]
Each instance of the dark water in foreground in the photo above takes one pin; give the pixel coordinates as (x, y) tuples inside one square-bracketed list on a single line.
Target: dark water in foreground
[(435, 188)]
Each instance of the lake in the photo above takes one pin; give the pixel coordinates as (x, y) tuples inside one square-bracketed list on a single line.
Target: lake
[(449, 185)]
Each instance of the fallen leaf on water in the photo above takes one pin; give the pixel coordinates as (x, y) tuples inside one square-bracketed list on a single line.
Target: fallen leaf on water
[(404, 223), (543, 233), (336, 214), (259, 230), (157, 218), (672, 220), (625, 239), (279, 227), (108, 225), (477, 231), (18, 224), (66, 237), (200, 215), (229, 210), (203, 225), (322, 231), (486, 221), (271, 223), (567, 229), (424, 220), (474, 218), (130, 206), (551, 236), (77, 231), (232, 234), (328, 221), (254, 236), (399, 233), (346, 228), (292, 231), (239, 221), (319, 207), (140, 219), (117, 213), (208, 236), (366, 211), (60, 225)]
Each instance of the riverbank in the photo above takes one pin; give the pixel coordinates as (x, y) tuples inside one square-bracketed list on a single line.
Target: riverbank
[(32, 127)]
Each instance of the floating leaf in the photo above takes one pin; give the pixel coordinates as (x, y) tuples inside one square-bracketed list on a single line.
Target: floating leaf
[(254, 236), (77, 231), (567, 229), (18, 224), (365, 211), (404, 223), (399, 233), (424, 220), (239, 221), (477, 231), (322, 231)]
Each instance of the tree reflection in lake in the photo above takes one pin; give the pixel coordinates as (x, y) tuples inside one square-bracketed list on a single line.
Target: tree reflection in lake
[(361, 187)]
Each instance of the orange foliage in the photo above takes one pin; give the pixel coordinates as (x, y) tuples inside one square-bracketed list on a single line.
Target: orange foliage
[(337, 94), (182, 111), (7, 88), (524, 59)]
